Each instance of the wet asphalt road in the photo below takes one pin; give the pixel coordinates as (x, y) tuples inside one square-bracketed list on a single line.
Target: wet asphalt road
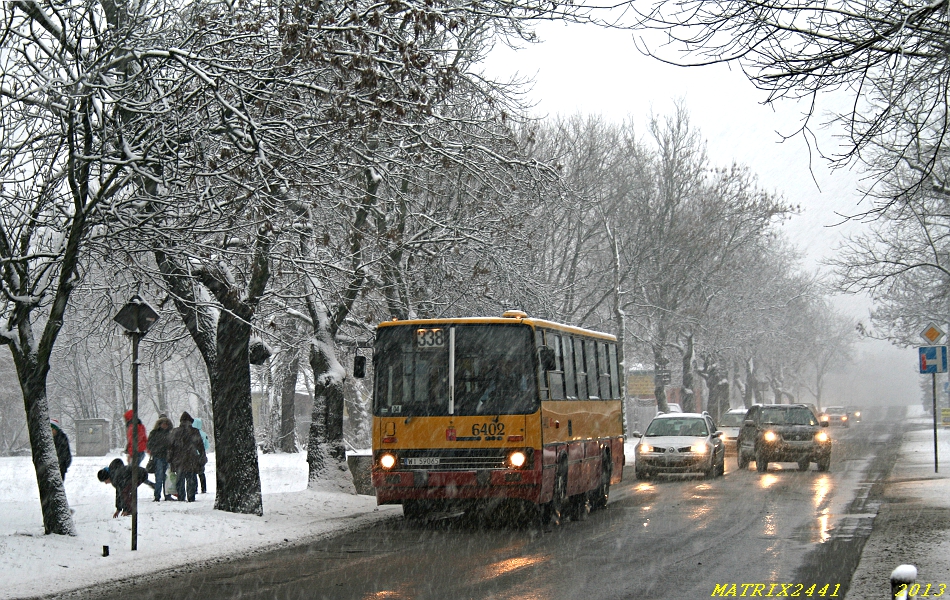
[(669, 538)]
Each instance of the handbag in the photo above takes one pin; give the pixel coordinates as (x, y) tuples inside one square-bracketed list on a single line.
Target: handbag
[(150, 465), (171, 480)]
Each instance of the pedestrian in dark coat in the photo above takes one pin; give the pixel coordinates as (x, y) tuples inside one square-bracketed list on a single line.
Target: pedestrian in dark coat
[(204, 438), (187, 457), (61, 441), (142, 439), (120, 476), (159, 441)]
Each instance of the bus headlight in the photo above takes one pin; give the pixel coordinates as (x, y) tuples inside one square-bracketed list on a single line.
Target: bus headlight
[(517, 459), (387, 461), (770, 436)]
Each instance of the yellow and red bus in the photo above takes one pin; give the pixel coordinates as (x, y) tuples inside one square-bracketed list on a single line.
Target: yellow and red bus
[(482, 410)]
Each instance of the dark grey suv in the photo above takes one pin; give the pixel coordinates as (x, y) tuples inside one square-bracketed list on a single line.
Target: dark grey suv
[(783, 433)]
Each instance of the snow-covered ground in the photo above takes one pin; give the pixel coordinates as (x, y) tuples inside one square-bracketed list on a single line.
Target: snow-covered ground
[(169, 533)]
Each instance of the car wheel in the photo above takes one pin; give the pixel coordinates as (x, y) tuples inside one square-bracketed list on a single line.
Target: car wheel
[(554, 510), (742, 460), (803, 464), (599, 496), (721, 469), (761, 464), (824, 464)]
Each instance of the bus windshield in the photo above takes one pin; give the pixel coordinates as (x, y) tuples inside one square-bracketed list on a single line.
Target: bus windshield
[(494, 371)]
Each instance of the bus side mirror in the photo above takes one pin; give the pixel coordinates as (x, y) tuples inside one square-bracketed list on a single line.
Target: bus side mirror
[(359, 367), (548, 361)]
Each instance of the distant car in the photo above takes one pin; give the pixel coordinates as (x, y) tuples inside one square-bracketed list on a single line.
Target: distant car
[(730, 424), (855, 414), (836, 415), (783, 433), (680, 443), (674, 407)]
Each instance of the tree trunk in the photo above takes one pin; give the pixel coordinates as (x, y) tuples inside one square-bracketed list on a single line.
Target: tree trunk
[(288, 396), (660, 362), (326, 451), (689, 396), (751, 394), (237, 471), (54, 505)]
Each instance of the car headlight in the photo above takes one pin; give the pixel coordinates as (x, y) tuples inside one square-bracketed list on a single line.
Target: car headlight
[(517, 459), (770, 436), (844, 417), (857, 413), (387, 461), (699, 448), (821, 436), (645, 448)]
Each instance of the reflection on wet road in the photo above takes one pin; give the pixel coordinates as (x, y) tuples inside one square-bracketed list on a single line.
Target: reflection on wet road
[(667, 538)]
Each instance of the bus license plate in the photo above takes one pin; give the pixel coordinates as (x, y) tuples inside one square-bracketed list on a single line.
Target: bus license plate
[(423, 461)]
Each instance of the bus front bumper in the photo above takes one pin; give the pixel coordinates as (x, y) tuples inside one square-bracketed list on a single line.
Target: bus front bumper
[(394, 486)]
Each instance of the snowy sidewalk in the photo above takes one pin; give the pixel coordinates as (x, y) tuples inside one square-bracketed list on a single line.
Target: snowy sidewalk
[(913, 524), (170, 534)]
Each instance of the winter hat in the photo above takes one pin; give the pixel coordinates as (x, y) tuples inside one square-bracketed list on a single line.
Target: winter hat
[(103, 474), (54, 423), (128, 415), (186, 417)]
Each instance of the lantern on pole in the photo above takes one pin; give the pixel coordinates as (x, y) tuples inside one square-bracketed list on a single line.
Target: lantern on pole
[(136, 317)]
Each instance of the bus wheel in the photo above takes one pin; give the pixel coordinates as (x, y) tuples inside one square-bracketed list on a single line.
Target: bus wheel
[(599, 496), (580, 507), (413, 509), (554, 510)]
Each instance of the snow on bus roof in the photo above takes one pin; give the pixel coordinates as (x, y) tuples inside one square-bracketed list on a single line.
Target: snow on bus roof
[(501, 321)]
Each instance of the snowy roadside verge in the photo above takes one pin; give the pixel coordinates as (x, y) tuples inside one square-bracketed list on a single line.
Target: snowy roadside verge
[(171, 535)]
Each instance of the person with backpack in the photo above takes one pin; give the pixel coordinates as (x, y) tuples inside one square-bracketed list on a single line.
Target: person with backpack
[(187, 457)]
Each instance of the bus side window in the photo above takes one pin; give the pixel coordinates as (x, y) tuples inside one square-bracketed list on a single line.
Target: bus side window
[(556, 377), (542, 338), (603, 371), (567, 349), (590, 354), (579, 369), (614, 375)]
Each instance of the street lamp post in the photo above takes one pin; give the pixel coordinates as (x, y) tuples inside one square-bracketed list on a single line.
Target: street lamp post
[(136, 317)]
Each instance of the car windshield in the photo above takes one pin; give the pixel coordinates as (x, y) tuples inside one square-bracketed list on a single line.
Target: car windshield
[(788, 416), (732, 419), (686, 426), (835, 410)]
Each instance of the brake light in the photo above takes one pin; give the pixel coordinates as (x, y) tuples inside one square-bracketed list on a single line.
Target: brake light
[(389, 439), (515, 438)]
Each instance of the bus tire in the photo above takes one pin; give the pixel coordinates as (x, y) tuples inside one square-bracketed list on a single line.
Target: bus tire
[(579, 507), (600, 494), (413, 510), (554, 511)]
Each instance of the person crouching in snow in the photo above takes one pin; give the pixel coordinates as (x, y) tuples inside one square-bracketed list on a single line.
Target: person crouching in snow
[(120, 476)]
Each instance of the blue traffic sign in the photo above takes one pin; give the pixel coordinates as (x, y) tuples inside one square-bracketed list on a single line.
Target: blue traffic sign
[(933, 359)]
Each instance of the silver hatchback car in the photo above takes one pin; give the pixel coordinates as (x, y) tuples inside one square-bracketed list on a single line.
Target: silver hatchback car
[(680, 443)]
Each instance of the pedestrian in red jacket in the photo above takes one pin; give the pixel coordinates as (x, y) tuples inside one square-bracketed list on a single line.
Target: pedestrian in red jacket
[(142, 439)]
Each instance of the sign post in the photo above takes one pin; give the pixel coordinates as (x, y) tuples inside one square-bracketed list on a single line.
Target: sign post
[(933, 360), (136, 317)]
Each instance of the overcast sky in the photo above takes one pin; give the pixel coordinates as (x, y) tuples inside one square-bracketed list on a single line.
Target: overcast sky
[(587, 70)]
